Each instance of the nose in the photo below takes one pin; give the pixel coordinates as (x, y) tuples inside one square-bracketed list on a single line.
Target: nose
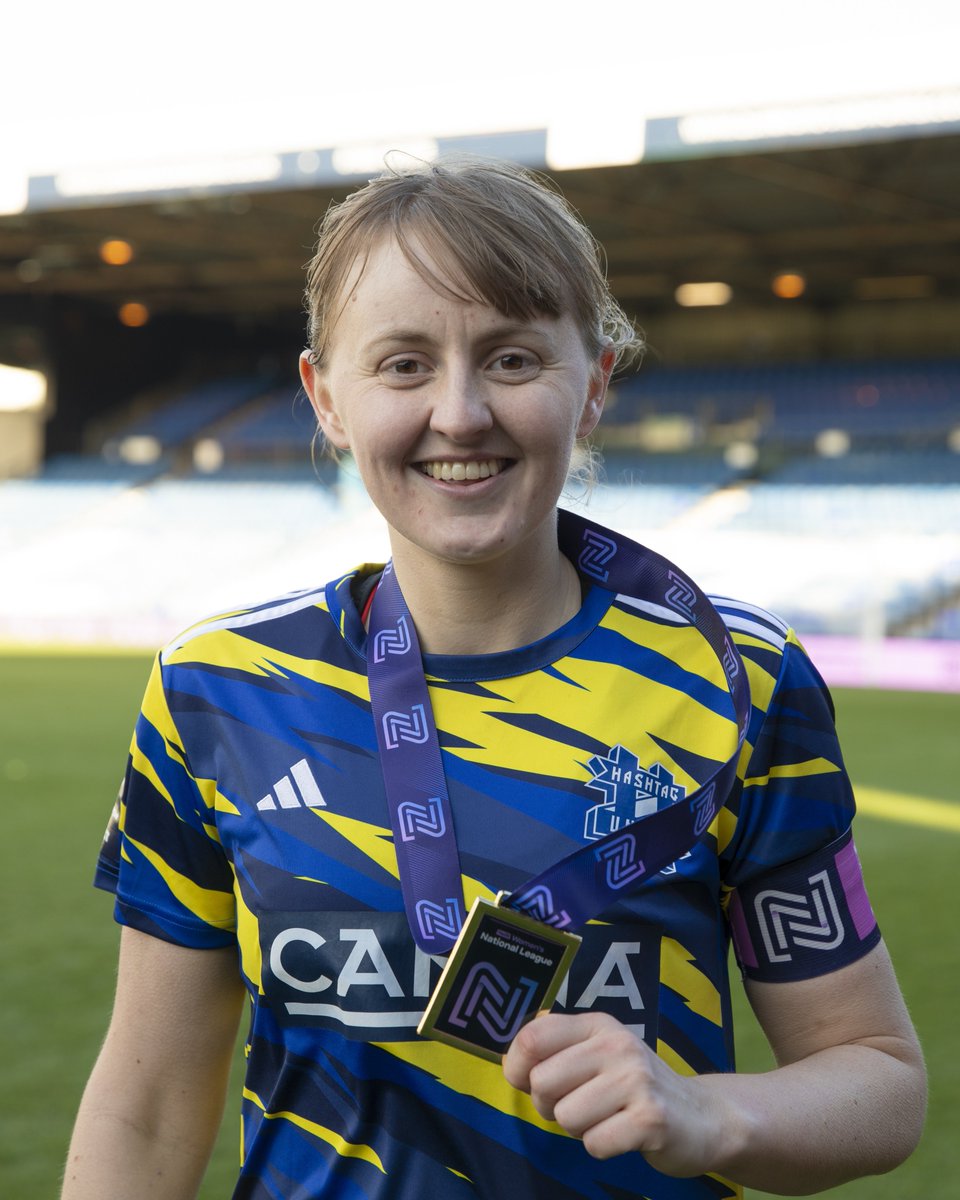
[(460, 407)]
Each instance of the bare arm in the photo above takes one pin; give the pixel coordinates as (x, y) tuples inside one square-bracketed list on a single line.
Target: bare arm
[(847, 1098), (153, 1104)]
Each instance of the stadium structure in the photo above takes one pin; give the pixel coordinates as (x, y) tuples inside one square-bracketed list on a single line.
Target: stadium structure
[(792, 434)]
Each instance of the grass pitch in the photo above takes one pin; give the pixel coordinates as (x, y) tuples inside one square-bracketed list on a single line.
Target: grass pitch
[(65, 723)]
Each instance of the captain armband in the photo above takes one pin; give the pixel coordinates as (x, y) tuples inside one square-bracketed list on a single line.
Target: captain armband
[(805, 918)]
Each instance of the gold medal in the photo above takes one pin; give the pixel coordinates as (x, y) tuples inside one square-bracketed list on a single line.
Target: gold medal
[(504, 968)]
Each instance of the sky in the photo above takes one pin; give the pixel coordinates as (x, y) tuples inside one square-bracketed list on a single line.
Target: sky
[(108, 82)]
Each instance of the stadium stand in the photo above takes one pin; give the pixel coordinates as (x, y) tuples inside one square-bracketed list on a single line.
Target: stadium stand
[(863, 541)]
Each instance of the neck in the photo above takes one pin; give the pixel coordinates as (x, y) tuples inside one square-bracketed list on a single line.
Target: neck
[(485, 608)]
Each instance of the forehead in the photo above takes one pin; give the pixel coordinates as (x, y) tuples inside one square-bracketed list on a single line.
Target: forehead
[(387, 287), (391, 287)]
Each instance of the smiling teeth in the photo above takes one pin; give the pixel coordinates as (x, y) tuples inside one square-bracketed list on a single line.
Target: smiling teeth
[(459, 472)]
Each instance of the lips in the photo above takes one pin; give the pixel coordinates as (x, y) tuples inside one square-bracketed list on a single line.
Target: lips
[(462, 472)]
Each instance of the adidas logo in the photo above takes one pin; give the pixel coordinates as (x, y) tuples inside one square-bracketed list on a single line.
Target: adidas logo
[(287, 797)]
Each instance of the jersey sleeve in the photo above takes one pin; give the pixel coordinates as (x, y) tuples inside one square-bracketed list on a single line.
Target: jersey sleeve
[(797, 903), (161, 855)]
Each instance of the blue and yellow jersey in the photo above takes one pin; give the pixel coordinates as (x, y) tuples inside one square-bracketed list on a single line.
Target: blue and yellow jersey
[(253, 814)]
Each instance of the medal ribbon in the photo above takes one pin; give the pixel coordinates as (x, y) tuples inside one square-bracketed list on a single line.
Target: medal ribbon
[(584, 883)]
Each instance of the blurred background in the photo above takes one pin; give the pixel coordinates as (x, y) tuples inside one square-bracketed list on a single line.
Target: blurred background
[(778, 194)]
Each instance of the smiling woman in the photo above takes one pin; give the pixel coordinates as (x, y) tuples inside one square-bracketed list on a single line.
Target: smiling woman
[(523, 715)]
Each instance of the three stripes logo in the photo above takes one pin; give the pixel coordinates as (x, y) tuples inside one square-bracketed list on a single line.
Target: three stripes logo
[(596, 554), (794, 919), (490, 1000), (404, 727), (417, 818), (538, 902), (438, 920), (680, 596), (306, 794), (392, 641), (704, 809), (619, 858)]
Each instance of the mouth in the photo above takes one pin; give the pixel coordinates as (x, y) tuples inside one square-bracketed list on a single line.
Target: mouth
[(463, 472)]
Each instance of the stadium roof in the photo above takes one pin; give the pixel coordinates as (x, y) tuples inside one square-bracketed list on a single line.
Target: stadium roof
[(879, 218)]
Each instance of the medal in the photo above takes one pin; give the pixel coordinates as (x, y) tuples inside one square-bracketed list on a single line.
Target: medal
[(504, 969), (508, 960)]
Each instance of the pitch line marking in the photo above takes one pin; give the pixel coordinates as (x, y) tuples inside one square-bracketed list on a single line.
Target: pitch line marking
[(907, 810)]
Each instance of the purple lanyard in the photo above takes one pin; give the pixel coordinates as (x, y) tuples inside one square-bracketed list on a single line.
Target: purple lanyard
[(584, 883)]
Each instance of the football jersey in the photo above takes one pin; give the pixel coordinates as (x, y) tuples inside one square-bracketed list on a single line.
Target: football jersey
[(253, 814)]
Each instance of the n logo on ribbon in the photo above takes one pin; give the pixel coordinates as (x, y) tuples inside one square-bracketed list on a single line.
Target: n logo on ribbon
[(538, 902), (404, 727), (417, 818), (621, 862), (596, 554), (439, 920), (680, 596), (392, 641), (731, 660), (488, 998), (705, 809)]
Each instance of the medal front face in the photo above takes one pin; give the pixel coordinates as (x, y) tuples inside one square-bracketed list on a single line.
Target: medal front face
[(504, 969)]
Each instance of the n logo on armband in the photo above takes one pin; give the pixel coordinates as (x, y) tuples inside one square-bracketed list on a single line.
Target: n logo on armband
[(490, 1000), (392, 641), (538, 903), (404, 727), (680, 596), (439, 920), (596, 554), (417, 818), (794, 919), (620, 860)]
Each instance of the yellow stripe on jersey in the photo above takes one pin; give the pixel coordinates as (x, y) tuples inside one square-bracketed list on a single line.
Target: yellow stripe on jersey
[(344, 1148), (683, 643), (471, 1076), (723, 828), (673, 1059), (216, 908), (810, 766), (231, 648), (679, 974), (375, 841), (593, 709), (377, 844), (141, 763), (248, 939)]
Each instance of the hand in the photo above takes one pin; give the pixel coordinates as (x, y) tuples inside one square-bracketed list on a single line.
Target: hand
[(601, 1083)]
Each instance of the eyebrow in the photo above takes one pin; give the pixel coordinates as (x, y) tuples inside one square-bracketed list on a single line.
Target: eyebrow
[(507, 331)]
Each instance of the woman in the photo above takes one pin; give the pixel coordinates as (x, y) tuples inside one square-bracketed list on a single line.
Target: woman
[(461, 342)]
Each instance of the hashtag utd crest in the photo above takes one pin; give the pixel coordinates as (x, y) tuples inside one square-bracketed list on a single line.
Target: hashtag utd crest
[(629, 792)]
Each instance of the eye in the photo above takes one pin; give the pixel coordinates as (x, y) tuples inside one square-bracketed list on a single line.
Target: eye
[(514, 362), (403, 369)]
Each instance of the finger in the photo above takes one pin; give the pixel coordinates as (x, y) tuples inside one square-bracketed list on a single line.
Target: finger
[(587, 1081), (538, 1040)]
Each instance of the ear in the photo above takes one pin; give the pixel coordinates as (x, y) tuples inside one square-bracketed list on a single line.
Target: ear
[(599, 381), (315, 385)]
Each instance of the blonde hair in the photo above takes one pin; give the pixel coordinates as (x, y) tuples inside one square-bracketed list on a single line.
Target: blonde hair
[(499, 235)]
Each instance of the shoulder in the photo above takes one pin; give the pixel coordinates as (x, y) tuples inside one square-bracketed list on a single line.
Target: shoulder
[(750, 624), (255, 622), (778, 667)]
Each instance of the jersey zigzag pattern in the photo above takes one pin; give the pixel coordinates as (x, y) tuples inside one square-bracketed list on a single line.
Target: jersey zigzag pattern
[(253, 814)]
